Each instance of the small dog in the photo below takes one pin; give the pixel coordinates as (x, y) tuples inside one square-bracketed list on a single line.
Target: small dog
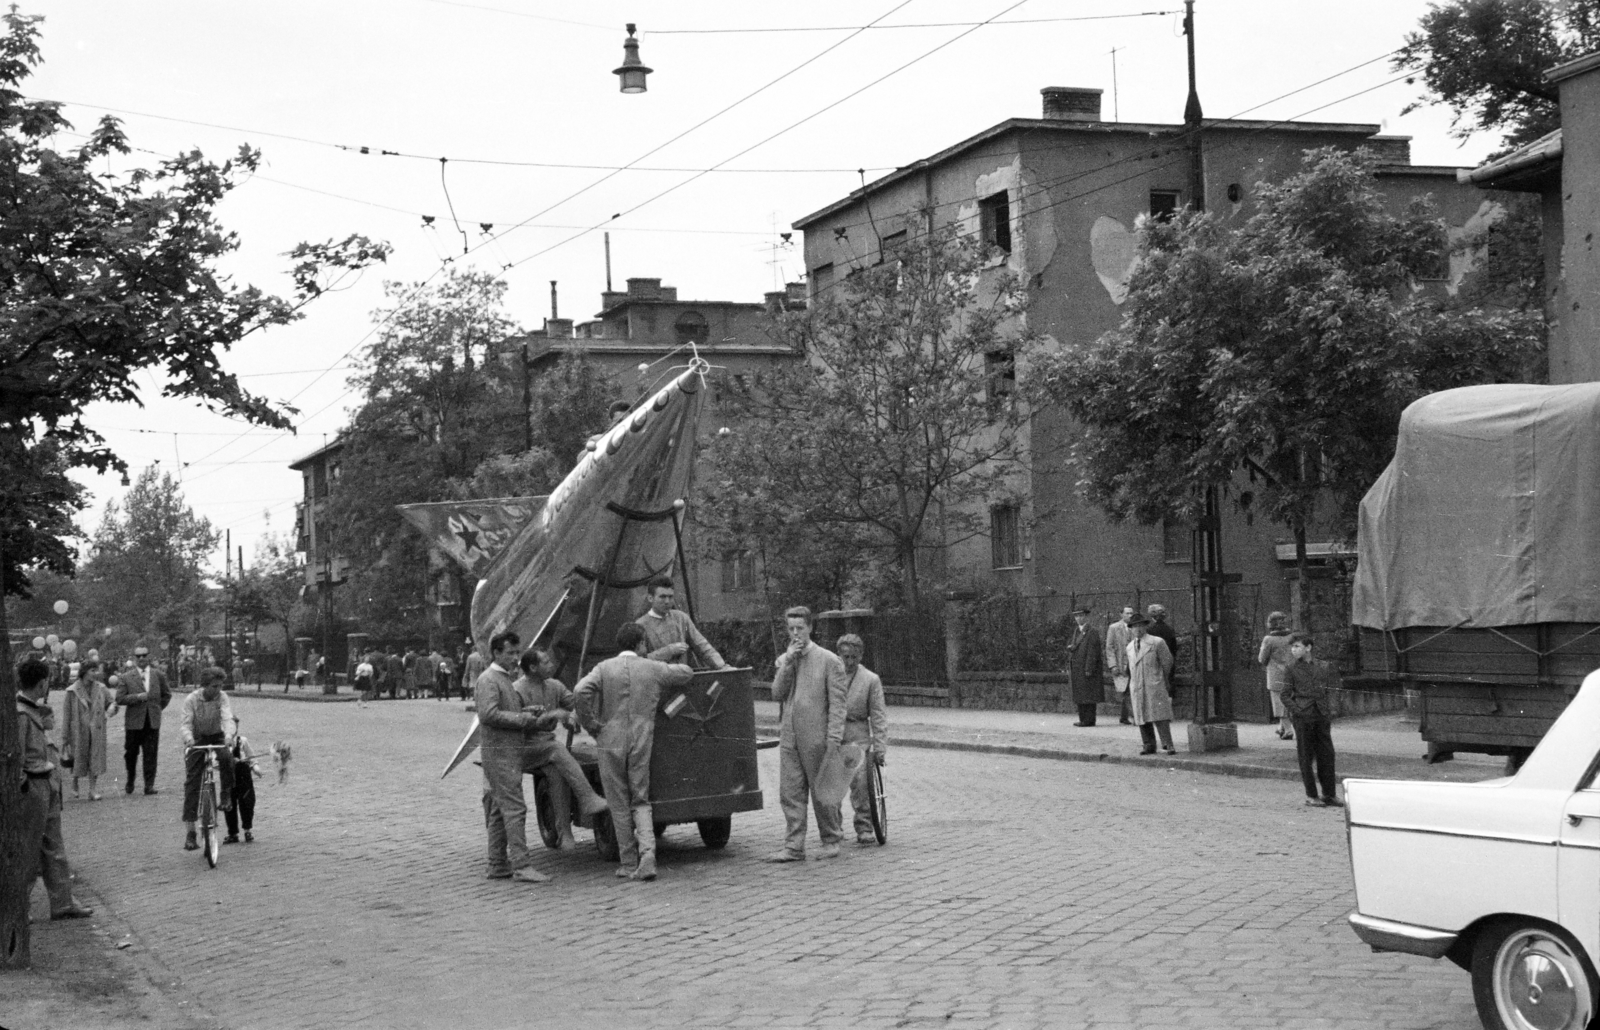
[(280, 755)]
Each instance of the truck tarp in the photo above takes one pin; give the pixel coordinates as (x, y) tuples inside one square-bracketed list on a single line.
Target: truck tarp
[(1489, 514)]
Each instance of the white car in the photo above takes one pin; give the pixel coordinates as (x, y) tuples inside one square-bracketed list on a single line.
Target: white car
[(1501, 877)]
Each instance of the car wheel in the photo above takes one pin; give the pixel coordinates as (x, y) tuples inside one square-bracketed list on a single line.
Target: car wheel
[(1529, 975)]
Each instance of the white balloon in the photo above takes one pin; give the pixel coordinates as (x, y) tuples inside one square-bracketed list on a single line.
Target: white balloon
[(61, 607), (69, 647), (52, 640), (38, 643)]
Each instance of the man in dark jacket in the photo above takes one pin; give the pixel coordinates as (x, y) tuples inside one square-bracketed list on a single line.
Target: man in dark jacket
[(142, 695), (1086, 667), (1308, 698)]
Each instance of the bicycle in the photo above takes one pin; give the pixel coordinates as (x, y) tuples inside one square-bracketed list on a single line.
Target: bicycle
[(210, 801)]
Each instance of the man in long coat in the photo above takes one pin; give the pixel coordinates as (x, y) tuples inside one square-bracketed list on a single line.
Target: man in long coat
[(143, 694), (617, 704), (1149, 676), (1086, 667), (810, 683)]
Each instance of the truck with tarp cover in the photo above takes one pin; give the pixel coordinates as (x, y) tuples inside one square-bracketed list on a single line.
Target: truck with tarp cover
[(1477, 582)]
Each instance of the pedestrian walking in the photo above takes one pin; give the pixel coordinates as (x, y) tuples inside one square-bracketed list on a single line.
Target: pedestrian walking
[(428, 674), (44, 851), (474, 664), (142, 694), (866, 722), (1150, 686), (366, 681), (810, 684), (409, 665), (1118, 636), (1276, 657), (1308, 696), (446, 677), (1086, 667), (617, 704), (83, 733), (394, 673)]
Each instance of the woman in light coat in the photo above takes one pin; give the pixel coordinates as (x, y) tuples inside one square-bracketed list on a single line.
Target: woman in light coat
[(1277, 659), (83, 735), (866, 722), (1149, 686)]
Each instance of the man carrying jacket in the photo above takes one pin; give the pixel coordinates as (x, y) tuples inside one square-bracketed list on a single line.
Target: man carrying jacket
[(142, 694), (617, 704)]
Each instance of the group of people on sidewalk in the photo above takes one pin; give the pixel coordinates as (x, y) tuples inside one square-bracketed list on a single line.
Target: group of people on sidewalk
[(830, 700), (142, 693), (1139, 653)]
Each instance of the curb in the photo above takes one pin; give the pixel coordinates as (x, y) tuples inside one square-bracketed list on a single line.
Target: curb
[(314, 699)]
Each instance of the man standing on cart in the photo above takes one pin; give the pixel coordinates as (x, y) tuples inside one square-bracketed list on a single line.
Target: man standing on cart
[(617, 704), (670, 635)]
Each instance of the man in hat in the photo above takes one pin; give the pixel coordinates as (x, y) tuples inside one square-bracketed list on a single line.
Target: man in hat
[(1159, 628), (1085, 667), (44, 853), (142, 693), (1149, 686), (207, 719), (1118, 636)]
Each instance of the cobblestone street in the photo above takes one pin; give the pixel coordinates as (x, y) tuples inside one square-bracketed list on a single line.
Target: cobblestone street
[(1014, 893)]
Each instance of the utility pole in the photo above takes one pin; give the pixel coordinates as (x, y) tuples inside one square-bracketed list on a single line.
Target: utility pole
[(227, 602), (1212, 728)]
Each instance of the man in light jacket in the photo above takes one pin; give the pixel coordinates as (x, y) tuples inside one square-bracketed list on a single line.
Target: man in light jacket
[(142, 694), (503, 732), (1149, 686), (866, 722), (810, 683), (617, 704), (670, 635), (1118, 636)]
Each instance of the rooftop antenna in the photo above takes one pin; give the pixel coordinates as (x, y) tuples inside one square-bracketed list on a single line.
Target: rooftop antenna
[(1116, 111), (608, 262)]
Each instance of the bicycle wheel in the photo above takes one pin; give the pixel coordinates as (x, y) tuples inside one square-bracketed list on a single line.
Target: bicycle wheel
[(879, 808), (210, 844)]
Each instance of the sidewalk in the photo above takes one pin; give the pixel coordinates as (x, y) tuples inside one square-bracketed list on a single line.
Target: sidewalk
[(1383, 746)]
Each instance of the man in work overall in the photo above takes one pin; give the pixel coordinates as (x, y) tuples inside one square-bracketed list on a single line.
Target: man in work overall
[(617, 704), (811, 684)]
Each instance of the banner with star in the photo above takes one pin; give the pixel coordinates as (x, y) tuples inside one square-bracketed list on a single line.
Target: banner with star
[(473, 532)]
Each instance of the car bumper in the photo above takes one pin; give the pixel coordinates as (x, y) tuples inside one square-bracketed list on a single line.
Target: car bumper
[(1387, 935)]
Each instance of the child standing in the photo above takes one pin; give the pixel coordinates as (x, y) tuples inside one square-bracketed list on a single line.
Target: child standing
[(1308, 697), (245, 771)]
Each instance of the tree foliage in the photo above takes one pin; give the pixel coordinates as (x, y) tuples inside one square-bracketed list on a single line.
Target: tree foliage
[(1486, 59), (147, 561), (888, 439), (443, 418), (1278, 355)]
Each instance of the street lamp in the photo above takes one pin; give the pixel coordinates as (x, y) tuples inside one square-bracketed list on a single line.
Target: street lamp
[(633, 72)]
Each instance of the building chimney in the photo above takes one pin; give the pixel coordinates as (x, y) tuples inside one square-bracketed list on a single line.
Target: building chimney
[(1390, 150), (644, 289), (796, 294), (1071, 103), (558, 328)]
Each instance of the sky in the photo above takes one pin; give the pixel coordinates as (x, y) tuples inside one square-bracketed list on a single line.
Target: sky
[(740, 133)]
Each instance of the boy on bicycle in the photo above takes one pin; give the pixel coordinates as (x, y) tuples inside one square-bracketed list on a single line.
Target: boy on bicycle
[(207, 719)]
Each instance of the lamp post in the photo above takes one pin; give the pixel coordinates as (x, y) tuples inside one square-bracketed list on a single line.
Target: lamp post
[(632, 72)]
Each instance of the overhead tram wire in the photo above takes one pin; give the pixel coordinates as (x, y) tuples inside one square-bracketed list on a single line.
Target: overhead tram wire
[(1265, 127), (597, 182), (906, 25), (793, 125)]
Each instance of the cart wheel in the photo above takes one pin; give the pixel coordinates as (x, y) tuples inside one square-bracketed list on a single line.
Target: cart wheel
[(878, 807), (544, 811), (605, 838), (715, 832)]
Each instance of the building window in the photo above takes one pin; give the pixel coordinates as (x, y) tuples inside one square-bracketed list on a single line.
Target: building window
[(738, 572), (691, 327), (995, 212), (891, 243), (1000, 376), (1005, 536), (1177, 542), (1163, 204), (821, 279)]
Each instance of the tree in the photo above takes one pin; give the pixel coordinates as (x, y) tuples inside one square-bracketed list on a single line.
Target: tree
[(147, 561), (104, 275), (1274, 360), (269, 590), (890, 437), (1487, 59), (449, 413)]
